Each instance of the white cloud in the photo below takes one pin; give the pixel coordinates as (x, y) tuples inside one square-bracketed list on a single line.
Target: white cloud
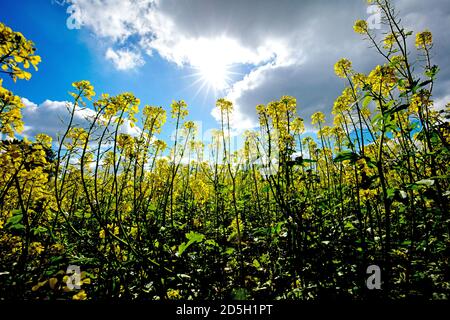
[(124, 59), (52, 118), (288, 46), (441, 103), (115, 19)]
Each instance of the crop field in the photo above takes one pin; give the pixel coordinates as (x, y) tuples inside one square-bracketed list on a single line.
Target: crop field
[(357, 210)]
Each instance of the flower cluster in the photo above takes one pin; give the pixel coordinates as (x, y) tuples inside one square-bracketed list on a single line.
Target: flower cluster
[(16, 54), (10, 112), (424, 40), (179, 109), (360, 26), (342, 68)]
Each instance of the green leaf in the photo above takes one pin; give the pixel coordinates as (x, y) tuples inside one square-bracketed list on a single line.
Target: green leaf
[(277, 228), (346, 155), (426, 182), (391, 193), (432, 72), (15, 219), (366, 101), (240, 294), (39, 230), (377, 118), (193, 237), (211, 242), (349, 226), (181, 248), (17, 227), (229, 251)]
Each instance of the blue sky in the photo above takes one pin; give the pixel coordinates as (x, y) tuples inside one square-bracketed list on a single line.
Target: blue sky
[(72, 55), (153, 47)]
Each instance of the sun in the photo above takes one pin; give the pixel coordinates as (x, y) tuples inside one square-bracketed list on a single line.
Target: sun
[(213, 62), (215, 74)]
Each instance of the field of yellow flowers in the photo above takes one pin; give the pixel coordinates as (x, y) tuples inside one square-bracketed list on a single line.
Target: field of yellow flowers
[(137, 222)]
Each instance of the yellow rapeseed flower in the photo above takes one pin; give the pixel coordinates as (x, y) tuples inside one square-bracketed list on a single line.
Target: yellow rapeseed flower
[(224, 105), (80, 295), (360, 26), (342, 68), (424, 39), (318, 118)]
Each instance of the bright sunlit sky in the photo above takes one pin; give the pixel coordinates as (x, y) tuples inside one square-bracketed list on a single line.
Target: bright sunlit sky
[(250, 51)]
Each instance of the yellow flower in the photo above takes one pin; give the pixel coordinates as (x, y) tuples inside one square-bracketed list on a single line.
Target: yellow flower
[(382, 79), (389, 40), (154, 118), (179, 109), (397, 60), (360, 26), (342, 68), (58, 247), (224, 105), (44, 139), (189, 125), (366, 195), (318, 118), (419, 100), (298, 126), (200, 190), (39, 285), (85, 88), (10, 115), (77, 136), (160, 145), (124, 140), (52, 282), (289, 103), (359, 80), (261, 109), (339, 120), (365, 112), (343, 102), (173, 294), (325, 132), (424, 39), (80, 295), (16, 52), (133, 231), (36, 247)]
